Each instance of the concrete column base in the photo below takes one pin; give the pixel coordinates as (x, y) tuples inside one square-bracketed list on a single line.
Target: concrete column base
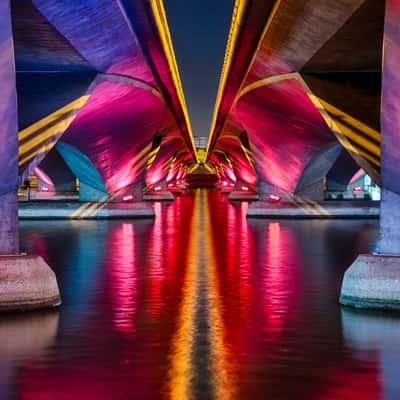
[(373, 281), (27, 283)]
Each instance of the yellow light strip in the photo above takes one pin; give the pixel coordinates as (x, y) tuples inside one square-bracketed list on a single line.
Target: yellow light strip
[(160, 17), (89, 209), (76, 104), (343, 132), (311, 207), (43, 149), (248, 155), (229, 53), (265, 82), (360, 140), (151, 157), (237, 20), (53, 131)]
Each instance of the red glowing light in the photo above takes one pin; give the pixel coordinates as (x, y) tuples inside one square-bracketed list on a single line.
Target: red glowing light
[(231, 184), (45, 189), (274, 198), (126, 198), (225, 183), (245, 188), (357, 188), (157, 188), (170, 184)]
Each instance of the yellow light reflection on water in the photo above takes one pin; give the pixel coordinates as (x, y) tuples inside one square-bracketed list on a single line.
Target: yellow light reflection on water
[(221, 368), (201, 265), (181, 368)]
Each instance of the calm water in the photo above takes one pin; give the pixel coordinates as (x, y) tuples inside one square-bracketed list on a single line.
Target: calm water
[(199, 303)]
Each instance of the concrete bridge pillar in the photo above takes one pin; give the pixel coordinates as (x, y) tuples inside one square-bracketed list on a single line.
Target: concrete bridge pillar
[(8, 138), (26, 282), (373, 281)]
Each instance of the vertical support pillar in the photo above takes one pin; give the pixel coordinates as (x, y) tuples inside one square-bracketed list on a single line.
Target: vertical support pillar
[(372, 281), (26, 282), (8, 137), (390, 141)]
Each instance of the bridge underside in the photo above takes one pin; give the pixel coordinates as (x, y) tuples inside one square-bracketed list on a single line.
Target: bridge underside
[(97, 83), (302, 81), (298, 108)]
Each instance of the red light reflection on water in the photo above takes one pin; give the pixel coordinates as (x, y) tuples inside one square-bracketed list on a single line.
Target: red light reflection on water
[(201, 258), (123, 277)]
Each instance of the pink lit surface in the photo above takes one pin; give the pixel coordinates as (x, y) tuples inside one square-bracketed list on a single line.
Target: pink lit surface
[(43, 177), (161, 166), (114, 129), (285, 130), (242, 168)]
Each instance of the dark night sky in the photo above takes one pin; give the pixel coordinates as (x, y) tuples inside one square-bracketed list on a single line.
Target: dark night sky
[(199, 30)]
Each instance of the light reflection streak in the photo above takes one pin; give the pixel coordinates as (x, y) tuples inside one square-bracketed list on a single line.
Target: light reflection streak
[(181, 371), (221, 370), (157, 269), (123, 278), (201, 279)]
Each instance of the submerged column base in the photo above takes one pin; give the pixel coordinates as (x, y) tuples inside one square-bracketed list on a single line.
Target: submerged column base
[(27, 283), (372, 282)]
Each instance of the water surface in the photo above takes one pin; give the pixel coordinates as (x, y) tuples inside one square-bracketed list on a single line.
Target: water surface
[(199, 303)]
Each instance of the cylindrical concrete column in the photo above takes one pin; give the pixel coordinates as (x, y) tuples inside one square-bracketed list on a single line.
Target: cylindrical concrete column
[(8, 137), (390, 142), (372, 280)]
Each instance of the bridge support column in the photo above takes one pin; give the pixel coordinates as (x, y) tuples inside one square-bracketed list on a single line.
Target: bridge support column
[(373, 280), (26, 282)]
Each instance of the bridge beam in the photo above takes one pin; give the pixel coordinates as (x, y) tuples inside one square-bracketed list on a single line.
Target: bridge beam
[(26, 282), (373, 280)]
